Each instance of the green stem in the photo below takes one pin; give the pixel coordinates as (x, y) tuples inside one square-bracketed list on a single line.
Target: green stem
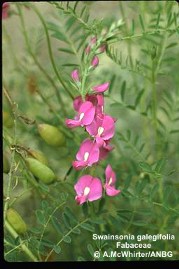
[(22, 245), (61, 240), (47, 222), (37, 63), (50, 52)]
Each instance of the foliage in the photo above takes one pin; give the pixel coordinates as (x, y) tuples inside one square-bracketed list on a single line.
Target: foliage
[(141, 63)]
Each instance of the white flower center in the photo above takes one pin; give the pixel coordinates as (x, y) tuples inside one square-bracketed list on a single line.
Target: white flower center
[(86, 191), (86, 155), (82, 115), (100, 130), (110, 181)]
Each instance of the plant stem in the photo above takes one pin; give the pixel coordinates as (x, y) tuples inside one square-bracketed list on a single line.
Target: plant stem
[(59, 242), (22, 245), (50, 52), (37, 62)]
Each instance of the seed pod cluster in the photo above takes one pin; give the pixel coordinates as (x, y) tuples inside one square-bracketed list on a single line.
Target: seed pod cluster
[(40, 170), (16, 221), (51, 135)]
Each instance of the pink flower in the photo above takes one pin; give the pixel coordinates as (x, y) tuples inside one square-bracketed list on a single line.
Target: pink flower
[(90, 45), (77, 102), (5, 10), (75, 75), (105, 149), (87, 155), (101, 88), (110, 182), (88, 188), (85, 116), (95, 61), (102, 128), (96, 99), (102, 48)]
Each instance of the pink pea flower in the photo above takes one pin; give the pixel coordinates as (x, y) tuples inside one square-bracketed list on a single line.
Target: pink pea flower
[(87, 155), (102, 48), (75, 75), (110, 182), (88, 188), (101, 88), (96, 99), (77, 102), (85, 116), (95, 61), (102, 128), (92, 42), (104, 150), (5, 10)]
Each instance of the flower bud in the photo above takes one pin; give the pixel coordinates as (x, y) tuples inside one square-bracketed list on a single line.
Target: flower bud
[(102, 48), (40, 170), (5, 10), (38, 155), (7, 119), (75, 75), (88, 49), (16, 221), (95, 61), (101, 88), (51, 135)]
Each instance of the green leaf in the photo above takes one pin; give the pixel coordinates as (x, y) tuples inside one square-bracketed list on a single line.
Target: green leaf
[(138, 98), (171, 172), (57, 225), (82, 11), (133, 27), (90, 249), (76, 231), (67, 239), (97, 221), (145, 167), (87, 227), (142, 23), (66, 51), (171, 45), (174, 131), (123, 89), (70, 215), (66, 221), (69, 23), (154, 191), (159, 165), (47, 243), (40, 216), (139, 223), (57, 249), (71, 64), (44, 204), (127, 182), (141, 185)]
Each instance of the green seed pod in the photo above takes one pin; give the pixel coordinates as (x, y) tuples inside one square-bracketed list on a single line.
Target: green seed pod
[(7, 119), (51, 135), (40, 170), (16, 221), (38, 155), (6, 164)]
